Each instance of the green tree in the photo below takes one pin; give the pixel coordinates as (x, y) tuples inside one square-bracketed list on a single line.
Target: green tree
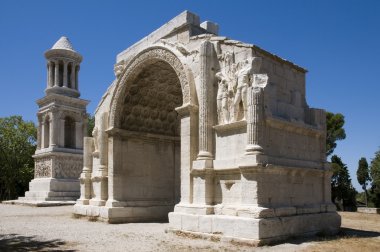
[(17, 145), (375, 175), (335, 131), (90, 124), (363, 177), (341, 187)]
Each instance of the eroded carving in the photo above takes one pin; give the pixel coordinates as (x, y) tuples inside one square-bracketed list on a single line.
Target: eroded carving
[(95, 134), (226, 84), (119, 68), (68, 167), (233, 82), (244, 80), (151, 99), (42, 168), (146, 58)]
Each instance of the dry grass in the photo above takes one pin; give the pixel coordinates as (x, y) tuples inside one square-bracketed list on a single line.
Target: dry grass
[(360, 232)]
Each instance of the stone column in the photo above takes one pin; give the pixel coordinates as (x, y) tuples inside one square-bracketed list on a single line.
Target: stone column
[(43, 145), (205, 101), (103, 143), (78, 135), (85, 177), (52, 130), (54, 117), (65, 74), (72, 77), (61, 141), (254, 120), (51, 74), (56, 76), (39, 133)]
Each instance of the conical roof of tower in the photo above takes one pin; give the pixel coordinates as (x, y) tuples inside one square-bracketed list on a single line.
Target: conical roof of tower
[(63, 43), (63, 47)]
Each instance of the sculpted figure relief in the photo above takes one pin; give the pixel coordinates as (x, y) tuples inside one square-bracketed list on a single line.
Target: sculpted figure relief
[(95, 135), (244, 80), (233, 81), (226, 83)]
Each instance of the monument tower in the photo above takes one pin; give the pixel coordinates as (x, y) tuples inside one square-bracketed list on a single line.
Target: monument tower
[(62, 124)]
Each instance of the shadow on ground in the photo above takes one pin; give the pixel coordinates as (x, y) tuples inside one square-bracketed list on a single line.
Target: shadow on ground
[(14, 242)]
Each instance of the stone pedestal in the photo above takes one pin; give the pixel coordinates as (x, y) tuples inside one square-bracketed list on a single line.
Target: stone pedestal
[(56, 177)]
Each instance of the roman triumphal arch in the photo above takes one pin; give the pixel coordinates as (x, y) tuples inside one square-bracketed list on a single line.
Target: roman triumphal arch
[(211, 133)]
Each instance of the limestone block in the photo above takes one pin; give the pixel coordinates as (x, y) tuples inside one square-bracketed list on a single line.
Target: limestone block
[(210, 27), (190, 222), (205, 224), (175, 220)]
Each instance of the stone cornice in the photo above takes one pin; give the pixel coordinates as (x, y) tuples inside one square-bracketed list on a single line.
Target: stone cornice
[(242, 124), (62, 99), (127, 134)]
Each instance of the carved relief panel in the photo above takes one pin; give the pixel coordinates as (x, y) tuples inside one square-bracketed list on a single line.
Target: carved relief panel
[(234, 79), (43, 168)]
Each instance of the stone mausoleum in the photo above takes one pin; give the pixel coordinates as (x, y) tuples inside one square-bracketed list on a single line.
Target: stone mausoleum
[(212, 133), (62, 124)]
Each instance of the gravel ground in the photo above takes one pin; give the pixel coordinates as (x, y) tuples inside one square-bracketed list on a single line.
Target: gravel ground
[(24, 228)]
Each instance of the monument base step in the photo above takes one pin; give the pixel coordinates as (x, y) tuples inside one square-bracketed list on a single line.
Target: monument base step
[(253, 231), (124, 214), (51, 192)]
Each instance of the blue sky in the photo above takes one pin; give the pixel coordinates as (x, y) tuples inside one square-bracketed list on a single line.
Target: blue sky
[(337, 41)]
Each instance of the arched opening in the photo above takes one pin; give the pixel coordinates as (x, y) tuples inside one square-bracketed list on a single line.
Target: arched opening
[(46, 132), (69, 132), (151, 140)]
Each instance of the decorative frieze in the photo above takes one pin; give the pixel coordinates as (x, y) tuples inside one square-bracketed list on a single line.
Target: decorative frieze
[(67, 167), (42, 168)]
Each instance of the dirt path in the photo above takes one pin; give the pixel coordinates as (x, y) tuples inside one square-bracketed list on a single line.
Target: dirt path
[(25, 228)]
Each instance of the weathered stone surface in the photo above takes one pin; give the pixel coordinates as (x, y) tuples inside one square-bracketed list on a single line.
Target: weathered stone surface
[(215, 131)]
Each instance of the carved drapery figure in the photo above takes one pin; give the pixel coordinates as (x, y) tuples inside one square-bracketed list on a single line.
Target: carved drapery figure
[(244, 80), (233, 82), (226, 84), (95, 134)]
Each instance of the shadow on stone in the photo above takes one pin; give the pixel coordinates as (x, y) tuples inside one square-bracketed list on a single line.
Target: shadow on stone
[(14, 242)]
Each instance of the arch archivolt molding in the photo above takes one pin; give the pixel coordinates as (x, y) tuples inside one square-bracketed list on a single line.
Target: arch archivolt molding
[(136, 65)]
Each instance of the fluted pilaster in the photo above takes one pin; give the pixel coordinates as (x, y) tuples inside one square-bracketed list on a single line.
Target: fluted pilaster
[(205, 109)]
